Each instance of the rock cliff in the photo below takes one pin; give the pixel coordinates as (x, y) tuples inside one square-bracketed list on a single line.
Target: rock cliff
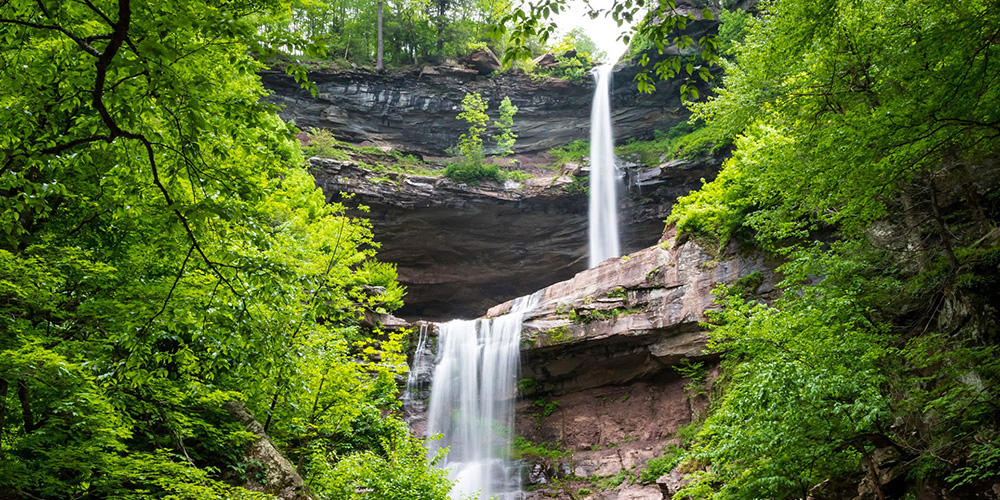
[(460, 249), (599, 362), (416, 111), (600, 387)]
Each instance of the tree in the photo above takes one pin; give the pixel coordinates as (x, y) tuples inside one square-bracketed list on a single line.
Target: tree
[(165, 251), (470, 144), (851, 121), (662, 23), (378, 58), (505, 137)]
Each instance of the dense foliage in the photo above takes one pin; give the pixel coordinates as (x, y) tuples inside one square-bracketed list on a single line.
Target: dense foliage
[(164, 252), (415, 31), (866, 140)]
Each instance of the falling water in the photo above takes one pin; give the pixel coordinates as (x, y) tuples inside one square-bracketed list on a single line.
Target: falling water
[(472, 401), (603, 176), (419, 357)]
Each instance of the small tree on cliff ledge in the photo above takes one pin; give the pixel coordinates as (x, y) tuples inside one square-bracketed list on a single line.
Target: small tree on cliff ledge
[(505, 137), (474, 113)]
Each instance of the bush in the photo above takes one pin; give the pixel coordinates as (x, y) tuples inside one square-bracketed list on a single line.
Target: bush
[(573, 152), (656, 467), (686, 140), (471, 170), (323, 145)]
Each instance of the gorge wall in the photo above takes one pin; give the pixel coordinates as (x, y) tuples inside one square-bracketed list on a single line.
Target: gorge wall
[(461, 249), (600, 389), (416, 111)]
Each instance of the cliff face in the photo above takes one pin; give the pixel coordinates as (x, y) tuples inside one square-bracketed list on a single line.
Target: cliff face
[(600, 385), (599, 355), (416, 111), (460, 249)]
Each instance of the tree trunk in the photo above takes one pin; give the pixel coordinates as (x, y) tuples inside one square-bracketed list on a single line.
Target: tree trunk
[(941, 227), (26, 414), (913, 229), (378, 57), (3, 406)]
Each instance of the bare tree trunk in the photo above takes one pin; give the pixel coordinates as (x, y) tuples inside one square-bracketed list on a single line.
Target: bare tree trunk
[(913, 228), (378, 57), (873, 472)]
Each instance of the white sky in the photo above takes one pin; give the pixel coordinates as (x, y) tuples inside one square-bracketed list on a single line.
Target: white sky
[(603, 30)]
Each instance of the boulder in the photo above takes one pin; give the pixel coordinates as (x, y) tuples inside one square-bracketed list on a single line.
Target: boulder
[(671, 483), (545, 60), (280, 477), (484, 61)]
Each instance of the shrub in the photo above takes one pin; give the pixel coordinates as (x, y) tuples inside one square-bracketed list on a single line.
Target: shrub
[(573, 152), (323, 145), (505, 137), (656, 467), (471, 170)]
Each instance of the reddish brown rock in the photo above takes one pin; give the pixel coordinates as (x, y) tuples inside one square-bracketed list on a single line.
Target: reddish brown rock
[(630, 318), (545, 60), (601, 350), (671, 483)]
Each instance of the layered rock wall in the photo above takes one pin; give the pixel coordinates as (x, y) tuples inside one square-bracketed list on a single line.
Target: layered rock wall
[(600, 385), (416, 111), (600, 354), (459, 248)]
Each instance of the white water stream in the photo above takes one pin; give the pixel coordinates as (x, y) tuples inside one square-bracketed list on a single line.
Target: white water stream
[(603, 174), (472, 400)]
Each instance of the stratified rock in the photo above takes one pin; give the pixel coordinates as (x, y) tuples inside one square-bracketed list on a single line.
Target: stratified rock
[(638, 492), (416, 111), (600, 351), (629, 318), (280, 478), (460, 249)]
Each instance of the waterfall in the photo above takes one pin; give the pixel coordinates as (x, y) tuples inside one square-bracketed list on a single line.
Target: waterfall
[(603, 175), (472, 401), (419, 358)]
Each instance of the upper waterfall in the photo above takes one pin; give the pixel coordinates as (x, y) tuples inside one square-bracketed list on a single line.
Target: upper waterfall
[(603, 174)]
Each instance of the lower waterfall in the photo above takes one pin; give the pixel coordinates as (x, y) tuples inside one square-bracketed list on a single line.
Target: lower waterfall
[(472, 401)]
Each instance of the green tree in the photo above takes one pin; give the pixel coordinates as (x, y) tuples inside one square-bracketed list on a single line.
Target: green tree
[(164, 251), (662, 24), (505, 137), (852, 120), (470, 144)]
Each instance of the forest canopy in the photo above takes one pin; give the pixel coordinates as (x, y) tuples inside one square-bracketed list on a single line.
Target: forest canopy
[(164, 253)]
